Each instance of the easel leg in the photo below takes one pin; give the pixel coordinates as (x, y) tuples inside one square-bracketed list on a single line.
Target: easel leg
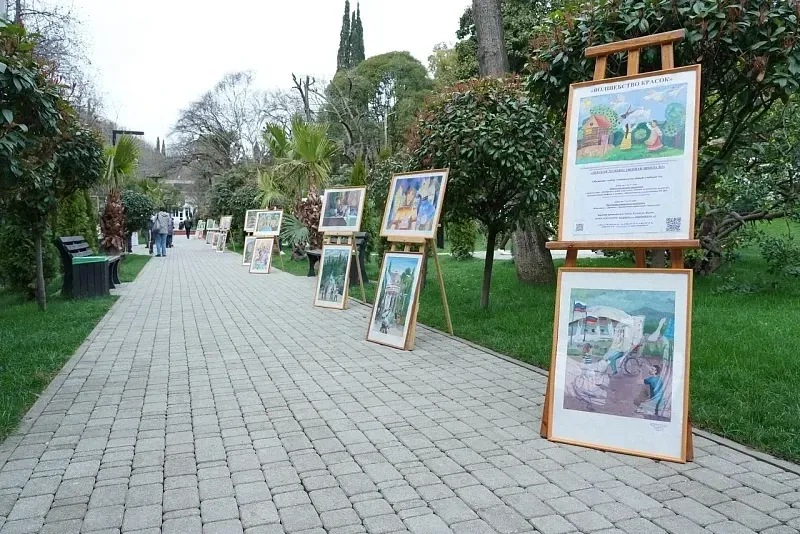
[(280, 256), (441, 285), (360, 278), (546, 408)]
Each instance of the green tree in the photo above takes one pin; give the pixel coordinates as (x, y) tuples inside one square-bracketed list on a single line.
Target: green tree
[(122, 161), (750, 58), (357, 52), (443, 65), (343, 56), (502, 156), (45, 153)]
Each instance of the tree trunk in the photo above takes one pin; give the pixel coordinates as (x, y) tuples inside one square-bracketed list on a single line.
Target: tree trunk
[(18, 12), (492, 54), (488, 263), (41, 291), (532, 259)]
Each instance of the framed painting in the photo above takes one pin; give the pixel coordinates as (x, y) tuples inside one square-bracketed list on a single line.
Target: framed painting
[(214, 239), (222, 241), (395, 310), (342, 209), (211, 224), (268, 223), (249, 246), (630, 158), (225, 223), (414, 204), (250, 220), (201, 227), (262, 255), (209, 236), (333, 278), (620, 363)]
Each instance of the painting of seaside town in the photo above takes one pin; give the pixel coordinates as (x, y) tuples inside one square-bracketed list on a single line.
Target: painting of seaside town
[(620, 352), (632, 125)]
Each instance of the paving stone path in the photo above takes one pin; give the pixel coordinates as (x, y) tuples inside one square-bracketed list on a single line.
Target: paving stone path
[(210, 400)]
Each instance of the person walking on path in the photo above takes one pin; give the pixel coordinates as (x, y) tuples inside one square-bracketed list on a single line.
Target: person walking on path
[(151, 236), (187, 225), (170, 232), (161, 226)]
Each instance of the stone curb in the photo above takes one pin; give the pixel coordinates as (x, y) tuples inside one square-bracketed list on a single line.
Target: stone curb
[(719, 440)]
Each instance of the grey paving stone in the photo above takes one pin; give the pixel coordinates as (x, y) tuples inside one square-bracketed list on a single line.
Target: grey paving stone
[(426, 524), (749, 517), (505, 520), (299, 518), (182, 525), (181, 499), (231, 526), (453, 510), (142, 517), (552, 524), (219, 509), (106, 517), (258, 513), (340, 518), (30, 507)]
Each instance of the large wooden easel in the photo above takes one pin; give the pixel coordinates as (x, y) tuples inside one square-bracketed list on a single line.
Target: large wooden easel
[(405, 244), (676, 247), (345, 239)]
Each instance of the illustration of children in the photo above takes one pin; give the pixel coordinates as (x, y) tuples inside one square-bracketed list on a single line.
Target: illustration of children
[(655, 398), (654, 141), (626, 139), (617, 349)]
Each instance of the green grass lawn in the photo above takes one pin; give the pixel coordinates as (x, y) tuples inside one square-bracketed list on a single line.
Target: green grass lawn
[(131, 265), (744, 365), (35, 345)]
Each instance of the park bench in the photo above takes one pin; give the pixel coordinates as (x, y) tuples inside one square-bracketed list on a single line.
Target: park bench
[(85, 274)]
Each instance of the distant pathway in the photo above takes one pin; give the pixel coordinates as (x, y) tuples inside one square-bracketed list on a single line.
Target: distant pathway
[(213, 401)]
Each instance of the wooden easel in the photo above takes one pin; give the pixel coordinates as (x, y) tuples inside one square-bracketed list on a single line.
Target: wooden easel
[(633, 48), (404, 244), (346, 238)]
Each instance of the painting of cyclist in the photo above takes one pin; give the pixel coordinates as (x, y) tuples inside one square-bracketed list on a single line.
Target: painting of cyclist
[(620, 344)]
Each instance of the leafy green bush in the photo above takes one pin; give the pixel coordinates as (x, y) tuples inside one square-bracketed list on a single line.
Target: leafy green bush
[(782, 255), (18, 260), (71, 218), (462, 235), (92, 218), (138, 209)]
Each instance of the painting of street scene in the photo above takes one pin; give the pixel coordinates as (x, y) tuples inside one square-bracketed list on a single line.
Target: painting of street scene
[(414, 205), (225, 223), (222, 241), (268, 223), (262, 256), (332, 278), (247, 253), (341, 210), (394, 302), (632, 125), (620, 348)]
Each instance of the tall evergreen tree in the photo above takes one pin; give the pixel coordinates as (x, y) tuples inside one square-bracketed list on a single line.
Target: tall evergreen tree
[(357, 54), (343, 57)]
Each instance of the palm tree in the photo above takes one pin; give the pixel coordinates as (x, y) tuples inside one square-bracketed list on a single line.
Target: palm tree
[(122, 161), (269, 194), (308, 164)]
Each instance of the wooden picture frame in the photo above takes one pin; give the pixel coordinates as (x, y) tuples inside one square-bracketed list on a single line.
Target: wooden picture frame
[(375, 334), (249, 241), (225, 223), (250, 217), (222, 240), (327, 199), (575, 412), (267, 217), (263, 265), (322, 295), (214, 239), (678, 171), (394, 199)]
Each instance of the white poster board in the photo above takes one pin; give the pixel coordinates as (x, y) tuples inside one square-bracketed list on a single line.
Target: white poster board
[(630, 158)]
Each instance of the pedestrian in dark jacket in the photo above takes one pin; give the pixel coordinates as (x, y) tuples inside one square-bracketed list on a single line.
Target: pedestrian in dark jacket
[(170, 232), (187, 225)]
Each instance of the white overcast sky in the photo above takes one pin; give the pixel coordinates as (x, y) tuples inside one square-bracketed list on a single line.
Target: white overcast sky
[(153, 57)]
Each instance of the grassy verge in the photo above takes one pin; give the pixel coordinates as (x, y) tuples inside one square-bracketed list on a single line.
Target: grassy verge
[(131, 265), (35, 345), (744, 366)]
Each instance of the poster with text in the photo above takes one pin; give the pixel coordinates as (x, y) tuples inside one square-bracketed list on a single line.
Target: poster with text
[(631, 157), (621, 361)]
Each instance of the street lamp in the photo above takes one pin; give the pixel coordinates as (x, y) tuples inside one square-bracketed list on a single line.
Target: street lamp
[(122, 132)]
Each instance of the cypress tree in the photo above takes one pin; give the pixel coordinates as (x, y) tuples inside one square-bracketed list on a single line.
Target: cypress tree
[(343, 57), (357, 42), (351, 46)]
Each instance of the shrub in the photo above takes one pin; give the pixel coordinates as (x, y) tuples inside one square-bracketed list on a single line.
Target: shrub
[(138, 209), (18, 260), (462, 235), (782, 255), (71, 218)]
